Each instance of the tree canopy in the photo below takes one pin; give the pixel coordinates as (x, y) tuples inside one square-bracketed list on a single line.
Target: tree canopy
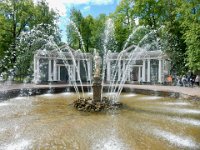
[(176, 24), (17, 17)]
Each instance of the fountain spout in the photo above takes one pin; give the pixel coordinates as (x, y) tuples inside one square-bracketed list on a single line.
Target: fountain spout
[(97, 103), (97, 79), (97, 64)]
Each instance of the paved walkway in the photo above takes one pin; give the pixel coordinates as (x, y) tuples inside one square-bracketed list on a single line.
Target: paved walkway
[(195, 91)]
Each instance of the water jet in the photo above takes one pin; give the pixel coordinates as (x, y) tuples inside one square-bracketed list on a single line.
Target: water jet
[(97, 103)]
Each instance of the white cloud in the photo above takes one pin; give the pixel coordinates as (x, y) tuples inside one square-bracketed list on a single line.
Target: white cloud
[(60, 5), (86, 8), (101, 2)]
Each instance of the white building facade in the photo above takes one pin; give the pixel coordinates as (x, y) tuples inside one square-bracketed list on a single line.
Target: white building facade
[(74, 66)]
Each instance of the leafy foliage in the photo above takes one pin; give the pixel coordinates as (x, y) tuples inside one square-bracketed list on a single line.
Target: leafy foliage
[(41, 37), (174, 24), (17, 17)]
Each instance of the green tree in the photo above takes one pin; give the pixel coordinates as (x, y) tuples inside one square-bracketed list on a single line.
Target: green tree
[(17, 17), (97, 31), (159, 14), (125, 11), (124, 22), (172, 35), (192, 39), (44, 15), (190, 23), (121, 33), (74, 29), (41, 37), (86, 27), (150, 12)]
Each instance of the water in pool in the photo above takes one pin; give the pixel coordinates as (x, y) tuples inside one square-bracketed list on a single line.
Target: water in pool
[(145, 122)]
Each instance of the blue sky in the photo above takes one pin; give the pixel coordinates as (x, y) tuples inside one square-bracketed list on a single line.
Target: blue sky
[(95, 10), (87, 7)]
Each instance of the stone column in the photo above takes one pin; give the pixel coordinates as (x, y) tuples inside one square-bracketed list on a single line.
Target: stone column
[(58, 73), (73, 73), (139, 73), (148, 70), (37, 77), (108, 71), (89, 69), (54, 70), (119, 70), (69, 74), (50, 71), (78, 70), (124, 68), (128, 78), (97, 89), (35, 71), (160, 71), (143, 71), (124, 64)]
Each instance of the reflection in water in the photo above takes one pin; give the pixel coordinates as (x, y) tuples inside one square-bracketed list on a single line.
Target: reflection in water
[(177, 140), (19, 145), (183, 110), (48, 94), (3, 104), (110, 141), (129, 95), (51, 122), (150, 98), (176, 103), (193, 122), (67, 93), (19, 98)]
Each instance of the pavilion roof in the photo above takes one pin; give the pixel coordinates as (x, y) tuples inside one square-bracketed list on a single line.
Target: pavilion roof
[(133, 52), (138, 54), (62, 53)]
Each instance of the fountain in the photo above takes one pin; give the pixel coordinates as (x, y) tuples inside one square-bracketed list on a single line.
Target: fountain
[(97, 79), (97, 103), (49, 121), (71, 60)]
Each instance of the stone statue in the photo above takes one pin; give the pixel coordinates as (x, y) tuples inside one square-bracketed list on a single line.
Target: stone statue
[(97, 64)]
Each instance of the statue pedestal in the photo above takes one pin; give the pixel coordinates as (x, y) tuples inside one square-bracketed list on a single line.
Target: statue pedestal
[(97, 103), (97, 89)]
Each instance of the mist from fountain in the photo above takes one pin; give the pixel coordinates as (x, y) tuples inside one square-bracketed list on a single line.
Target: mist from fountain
[(22, 118), (50, 42), (66, 63), (115, 85), (83, 47), (108, 34), (139, 50)]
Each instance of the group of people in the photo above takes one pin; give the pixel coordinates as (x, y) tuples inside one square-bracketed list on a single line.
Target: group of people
[(186, 81)]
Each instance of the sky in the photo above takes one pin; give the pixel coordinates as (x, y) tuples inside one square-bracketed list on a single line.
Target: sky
[(87, 7)]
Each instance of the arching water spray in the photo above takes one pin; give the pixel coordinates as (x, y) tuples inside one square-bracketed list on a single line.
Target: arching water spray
[(109, 35)]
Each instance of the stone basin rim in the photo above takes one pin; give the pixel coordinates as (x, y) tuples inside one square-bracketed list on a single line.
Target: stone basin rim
[(32, 90)]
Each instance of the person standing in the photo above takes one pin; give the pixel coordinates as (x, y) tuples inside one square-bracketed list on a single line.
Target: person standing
[(169, 80), (184, 80), (197, 80)]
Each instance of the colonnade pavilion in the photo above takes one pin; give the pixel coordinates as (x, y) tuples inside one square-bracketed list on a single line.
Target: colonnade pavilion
[(75, 66)]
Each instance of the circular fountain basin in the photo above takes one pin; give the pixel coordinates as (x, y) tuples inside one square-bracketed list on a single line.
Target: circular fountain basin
[(146, 122)]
